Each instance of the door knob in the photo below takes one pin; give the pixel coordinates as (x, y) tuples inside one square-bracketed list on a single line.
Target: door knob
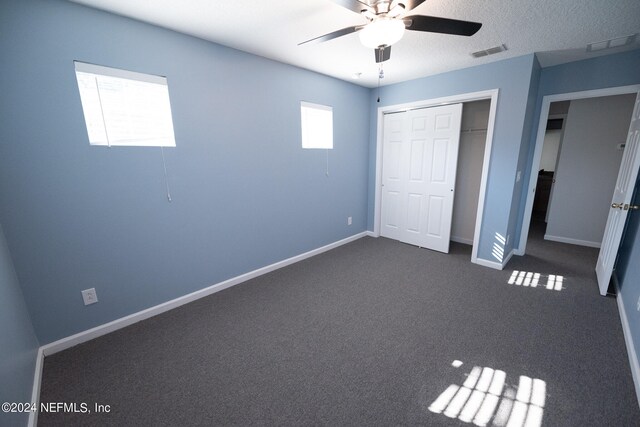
[(631, 207), (616, 205)]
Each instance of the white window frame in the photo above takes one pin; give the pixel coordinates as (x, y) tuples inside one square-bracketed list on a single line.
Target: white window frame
[(313, 119), (124, 108)]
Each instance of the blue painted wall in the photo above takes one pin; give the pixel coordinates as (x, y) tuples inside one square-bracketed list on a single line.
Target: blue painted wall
[(245, 194), (605, 71), (513, 78), (627, 270), (18, 343)]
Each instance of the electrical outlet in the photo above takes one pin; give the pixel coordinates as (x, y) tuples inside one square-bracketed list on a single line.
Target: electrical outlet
[(89, 296), (638, 303), (518, 176), (506, 243), (349, 220)]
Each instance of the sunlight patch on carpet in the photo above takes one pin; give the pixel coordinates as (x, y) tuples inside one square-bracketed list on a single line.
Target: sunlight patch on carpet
[(486, 396), (531, 279)]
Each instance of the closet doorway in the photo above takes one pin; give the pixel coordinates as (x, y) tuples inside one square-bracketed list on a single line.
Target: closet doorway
[(471, 160)]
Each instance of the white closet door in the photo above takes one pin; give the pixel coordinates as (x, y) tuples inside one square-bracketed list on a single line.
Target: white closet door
[(420, 155), (620, 202)]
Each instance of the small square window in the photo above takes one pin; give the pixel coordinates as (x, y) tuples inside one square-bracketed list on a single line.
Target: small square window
[(125, 108), (317, 125)]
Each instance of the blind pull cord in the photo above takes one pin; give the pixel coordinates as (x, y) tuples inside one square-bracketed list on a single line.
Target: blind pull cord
[(166, 180), (327, 171)]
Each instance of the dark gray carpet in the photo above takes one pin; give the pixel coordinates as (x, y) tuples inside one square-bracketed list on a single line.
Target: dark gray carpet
[(362, 335)]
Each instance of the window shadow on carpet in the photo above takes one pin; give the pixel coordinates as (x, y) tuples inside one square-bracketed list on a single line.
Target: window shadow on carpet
[(487, 396)]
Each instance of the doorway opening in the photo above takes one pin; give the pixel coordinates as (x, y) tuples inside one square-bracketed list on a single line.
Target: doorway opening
[(591, 151), (552, 143), (473, 140)]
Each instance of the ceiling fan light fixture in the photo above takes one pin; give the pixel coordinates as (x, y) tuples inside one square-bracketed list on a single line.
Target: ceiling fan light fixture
[(382, 32)]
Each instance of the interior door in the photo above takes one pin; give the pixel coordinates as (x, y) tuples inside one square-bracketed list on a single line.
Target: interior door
[(419, 160), (620, 202)]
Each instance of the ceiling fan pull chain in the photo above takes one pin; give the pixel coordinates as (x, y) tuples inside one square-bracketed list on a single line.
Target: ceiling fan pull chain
[(380, 77)]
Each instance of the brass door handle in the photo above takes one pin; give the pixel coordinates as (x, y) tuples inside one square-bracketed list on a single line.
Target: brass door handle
[(625, 206)]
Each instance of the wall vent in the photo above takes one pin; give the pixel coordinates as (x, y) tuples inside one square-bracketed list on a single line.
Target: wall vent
[(490, 51)]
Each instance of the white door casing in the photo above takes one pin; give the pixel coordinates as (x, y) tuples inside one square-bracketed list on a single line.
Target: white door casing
[(420, 154), (620, 202)]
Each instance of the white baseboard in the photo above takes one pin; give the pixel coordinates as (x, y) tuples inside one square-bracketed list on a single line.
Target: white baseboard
[(628, 339), (572, 241), (493, 264), (371, 234), (35, 392), (106, 328), (487, 263), (507, 258), (461, 240)]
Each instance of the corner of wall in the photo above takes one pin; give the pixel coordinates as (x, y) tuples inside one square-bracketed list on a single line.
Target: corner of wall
[(525, 157), (19, 350), (373, 135)]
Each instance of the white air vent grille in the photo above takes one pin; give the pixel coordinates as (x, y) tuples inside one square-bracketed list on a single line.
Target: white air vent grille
[(490, 51), (611, 43)]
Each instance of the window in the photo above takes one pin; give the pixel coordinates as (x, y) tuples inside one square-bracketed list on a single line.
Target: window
[(124, 108), (317, 125)]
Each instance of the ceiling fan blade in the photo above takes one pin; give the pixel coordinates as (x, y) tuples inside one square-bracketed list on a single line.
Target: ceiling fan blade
[(333, 35), (382, 54), (434, 24), (411, 4), (354, 5)]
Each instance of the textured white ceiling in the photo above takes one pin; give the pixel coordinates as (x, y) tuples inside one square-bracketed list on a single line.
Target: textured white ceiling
[(558, 30)]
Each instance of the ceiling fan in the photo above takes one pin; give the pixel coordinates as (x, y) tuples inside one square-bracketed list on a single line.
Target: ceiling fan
[(387, 23)]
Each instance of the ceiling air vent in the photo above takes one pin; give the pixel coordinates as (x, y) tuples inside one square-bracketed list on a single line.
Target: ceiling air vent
[(490, 51), (612, 43)]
